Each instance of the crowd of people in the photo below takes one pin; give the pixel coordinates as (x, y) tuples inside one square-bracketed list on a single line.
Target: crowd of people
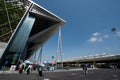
[(27, 68)]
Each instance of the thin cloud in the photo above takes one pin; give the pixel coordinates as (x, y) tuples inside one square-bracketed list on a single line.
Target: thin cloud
[(97, 37), (106, 36), (96, 34), (100, 39), (118, 33), (93, 39)]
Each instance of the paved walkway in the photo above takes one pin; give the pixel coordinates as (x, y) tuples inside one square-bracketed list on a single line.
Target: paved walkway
[(73, 74), (59, 70)]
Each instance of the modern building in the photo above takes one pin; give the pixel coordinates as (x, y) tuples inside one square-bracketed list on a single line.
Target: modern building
[(35, 28)]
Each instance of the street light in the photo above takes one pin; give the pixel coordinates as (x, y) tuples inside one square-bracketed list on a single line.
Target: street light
[(52, 57), (114, 30)]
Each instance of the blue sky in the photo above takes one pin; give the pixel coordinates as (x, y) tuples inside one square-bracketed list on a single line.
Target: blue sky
[(87, 30)]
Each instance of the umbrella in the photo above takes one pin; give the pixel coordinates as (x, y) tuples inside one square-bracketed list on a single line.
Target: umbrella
[(46, 62), (27, 62), (41, 64), (52, 62)]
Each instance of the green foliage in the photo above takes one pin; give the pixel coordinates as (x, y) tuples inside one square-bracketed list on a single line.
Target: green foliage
[(15, 14), (1, 4)]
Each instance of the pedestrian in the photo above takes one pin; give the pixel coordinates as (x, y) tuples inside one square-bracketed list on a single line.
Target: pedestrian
[(28, 69), (40, 69), (21, 68), (84, 67)]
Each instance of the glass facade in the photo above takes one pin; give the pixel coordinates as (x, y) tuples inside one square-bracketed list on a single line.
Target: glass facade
[(18, 44), (22, 34)]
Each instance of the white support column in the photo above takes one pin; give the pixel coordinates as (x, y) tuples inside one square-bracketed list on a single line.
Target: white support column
[(39, 60), (59, 48)]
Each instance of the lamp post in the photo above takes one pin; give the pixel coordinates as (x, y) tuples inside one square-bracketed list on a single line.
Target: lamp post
[(114, 30)]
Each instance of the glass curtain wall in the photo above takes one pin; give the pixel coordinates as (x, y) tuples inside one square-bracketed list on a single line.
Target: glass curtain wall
[(17, 46)]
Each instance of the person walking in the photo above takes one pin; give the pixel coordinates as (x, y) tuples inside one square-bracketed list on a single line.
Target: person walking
[(84, 67), (21, 68), (40, 69), (28, 69)]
